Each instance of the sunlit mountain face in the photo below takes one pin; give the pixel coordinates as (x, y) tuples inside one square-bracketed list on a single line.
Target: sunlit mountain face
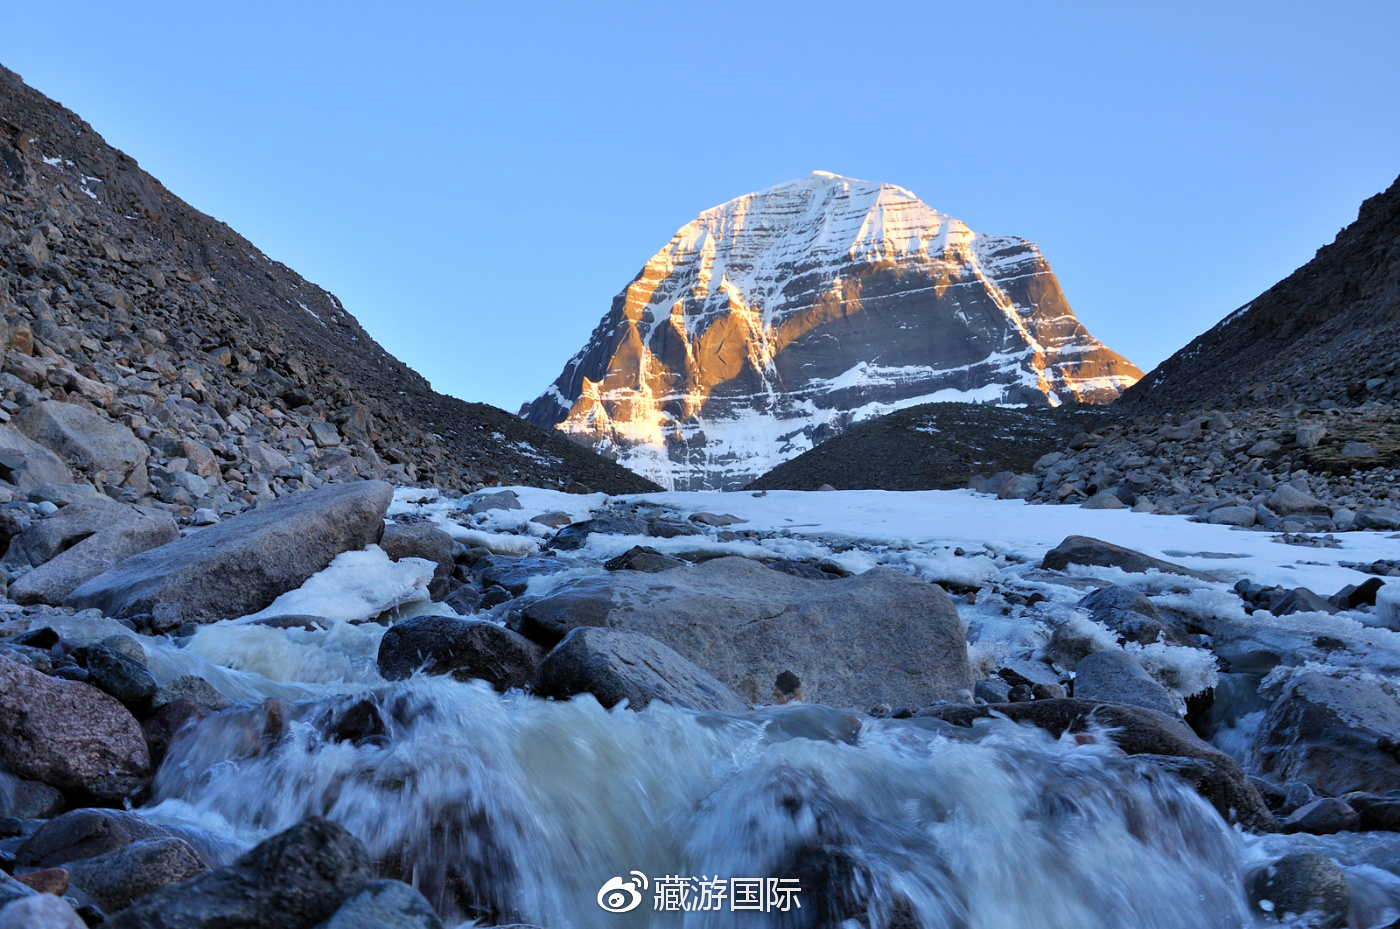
[(779, 318)]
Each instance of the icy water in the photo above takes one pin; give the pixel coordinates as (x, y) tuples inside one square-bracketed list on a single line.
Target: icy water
[(508, 808)]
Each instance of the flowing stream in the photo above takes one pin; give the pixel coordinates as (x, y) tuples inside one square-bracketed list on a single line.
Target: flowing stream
[(511, 808)]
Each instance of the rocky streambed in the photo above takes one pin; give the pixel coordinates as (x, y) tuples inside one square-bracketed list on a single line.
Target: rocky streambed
[(357, 706)]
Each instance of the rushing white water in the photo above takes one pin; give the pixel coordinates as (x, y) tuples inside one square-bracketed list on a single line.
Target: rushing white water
[(514, 808)]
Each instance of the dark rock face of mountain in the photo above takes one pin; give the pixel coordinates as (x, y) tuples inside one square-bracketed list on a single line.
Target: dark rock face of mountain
[(117, 296), (1330, 331), (776, 320)]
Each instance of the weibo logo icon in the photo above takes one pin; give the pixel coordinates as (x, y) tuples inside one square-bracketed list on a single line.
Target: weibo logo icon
[(619, 896)]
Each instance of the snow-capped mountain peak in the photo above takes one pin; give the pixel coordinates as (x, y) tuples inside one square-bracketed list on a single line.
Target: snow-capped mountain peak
[(776, 319)]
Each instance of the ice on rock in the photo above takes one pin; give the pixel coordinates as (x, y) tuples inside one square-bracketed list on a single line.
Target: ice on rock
[(1388, 606), (355, 586)]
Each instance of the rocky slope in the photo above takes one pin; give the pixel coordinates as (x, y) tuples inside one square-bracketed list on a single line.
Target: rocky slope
[(776, 320), (239, 379), (1327, 334)]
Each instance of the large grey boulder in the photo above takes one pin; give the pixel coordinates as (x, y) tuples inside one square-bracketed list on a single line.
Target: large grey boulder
[(464, 648), (1333, 734), (116, 879), (69, 735), (107, 452), (81, 541), (294, 880), (878, 637), (1111, 676), (27, 464), (242, 564), (385, 905), (1084, 550), (1287, 500), (1157, 738), (613, 666)]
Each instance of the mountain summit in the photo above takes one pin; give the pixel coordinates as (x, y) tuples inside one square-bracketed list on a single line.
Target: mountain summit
[(776, 320)]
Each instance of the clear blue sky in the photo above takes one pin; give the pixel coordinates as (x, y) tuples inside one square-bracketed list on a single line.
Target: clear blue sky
[(476, 181)]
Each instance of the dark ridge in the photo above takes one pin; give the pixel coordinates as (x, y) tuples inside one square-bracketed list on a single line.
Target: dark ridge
[(936, 446), (1329, 332)]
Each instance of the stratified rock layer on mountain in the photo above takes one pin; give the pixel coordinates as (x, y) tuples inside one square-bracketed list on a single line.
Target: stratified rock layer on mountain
[(779, 318), (1328, 333), (243, 379)]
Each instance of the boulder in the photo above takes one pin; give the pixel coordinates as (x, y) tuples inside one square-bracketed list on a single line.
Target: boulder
[(1302, 889), (1323, 816), (1301, 600), (642, 558), (1132, 626), (1376, 812), (613, 665), (991, 485), (1161, 739), (1020, 487), (512, 573), (554, 519), (662, 528), (1333, 734), (22, 799), (1119, 598), (115, 879), (1287, 500), (717, 520), (385, 905), (575, 535), (1381, 517), (1104, 500), (1083, 550), (502, 500), (27, 464), (1310, 434), (74, 522), (190, 687), (294, 880), (464, 648), (242, 564), (1354, 595), (53, 581), (1030, 673), (1111, 676), (41, 911), (107, 452), (1242, 516), (878, 637), (85, 833), (420, 540), (45, 880), (69, 735), (116, 673)]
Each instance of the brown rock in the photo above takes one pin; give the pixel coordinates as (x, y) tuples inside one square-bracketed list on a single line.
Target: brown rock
[(69, 735)]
